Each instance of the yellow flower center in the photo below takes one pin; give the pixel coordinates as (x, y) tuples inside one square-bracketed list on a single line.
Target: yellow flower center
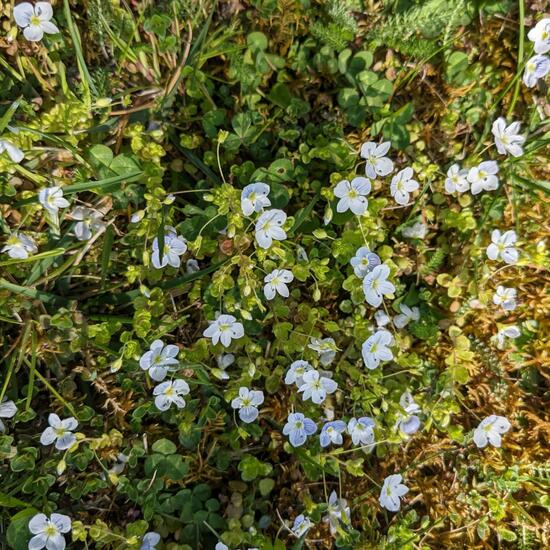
[(50, 530), (35, 20)]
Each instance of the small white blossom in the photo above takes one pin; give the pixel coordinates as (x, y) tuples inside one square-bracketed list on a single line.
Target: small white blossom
[(364, 261), (375, 349), (511, 331), (51, 198), (381, 318), (60, 431), (296, 372), (337, 512), (376, 285), (457, 179), (407, 315), (391, 492), (221, 546), (416, 231), (275, 283), (302, 524), (159, 360), (269, 227), (170, 392), (224, 361), (298, 428), (19, 246), (408, 423), (174, 247), (489, 431), (353, 195), (137, 216), (35, 20), (254, 198), (536, 68), (377, 163), (402, 185), (89, 221), (505, 297), (507, 138), (483, 177), (7, 410), (247, 404), (192, 266), (326, 348), (15, 154), (503, 247), (316, 387), (48, 532), (150, 541), (540, 35), (224, 329), (332, 432), (362, 431)]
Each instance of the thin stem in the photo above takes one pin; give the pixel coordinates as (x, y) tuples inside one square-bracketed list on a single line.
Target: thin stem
[(520, 56)]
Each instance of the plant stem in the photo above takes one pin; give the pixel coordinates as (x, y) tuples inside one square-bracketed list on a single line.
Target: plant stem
[(520, 56)]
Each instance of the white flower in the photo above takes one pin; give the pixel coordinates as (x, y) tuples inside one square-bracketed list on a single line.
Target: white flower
[(35, 20), (353, 195), (415, 231), (540, 35), (483, 177), (174, 247), (361, 431), (48, 531), (326, 348), (391, 492), (408, 423), (224, 361), (15, 154), (296, 372), (537, 67), (377, 162), (505, 297), (507, 138), (275, 283), (89, 221), (224, 329), (489, 431), (159, 360), (192, 266), (298, 428), (407, 315), (332, 432), (316, 387), (302, 524), (381, 318), (7, 410), (137, 216), (51, 198), (247, 403), (402, 185), (456, 179), (364, 261), (337, 512), (269, 227), (170, 392), (149, 541), (502, 247), (375, 349), (19, 246), (511, 331), (221, 546), (254, 198), (376, 285), (60, 431)]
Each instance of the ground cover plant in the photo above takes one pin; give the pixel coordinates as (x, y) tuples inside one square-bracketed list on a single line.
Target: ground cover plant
[(274, 274)]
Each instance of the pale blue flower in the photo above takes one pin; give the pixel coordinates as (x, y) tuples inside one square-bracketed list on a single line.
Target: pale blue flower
[(332, 433), (364, 261), (361, 430), (149, 541), (298, 428), (247, 403), (302, 524)]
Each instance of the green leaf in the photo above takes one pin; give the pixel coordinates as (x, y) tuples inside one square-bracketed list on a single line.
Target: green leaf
[(18, 533), (164, 446)]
